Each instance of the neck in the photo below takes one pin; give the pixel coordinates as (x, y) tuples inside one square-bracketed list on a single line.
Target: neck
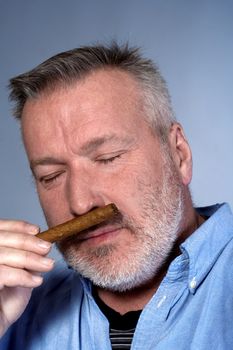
[(137, 298), (131, 300)]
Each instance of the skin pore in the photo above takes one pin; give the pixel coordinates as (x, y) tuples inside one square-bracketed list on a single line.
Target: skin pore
[(89, 145)]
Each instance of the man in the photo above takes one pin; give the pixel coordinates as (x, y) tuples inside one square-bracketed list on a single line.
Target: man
[(98, 128)]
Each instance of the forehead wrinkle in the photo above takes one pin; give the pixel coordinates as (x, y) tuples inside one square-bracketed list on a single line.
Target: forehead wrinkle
[(98, 141)]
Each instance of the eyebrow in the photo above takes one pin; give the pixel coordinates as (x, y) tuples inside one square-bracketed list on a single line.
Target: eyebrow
[(85, 149), (45, 161)]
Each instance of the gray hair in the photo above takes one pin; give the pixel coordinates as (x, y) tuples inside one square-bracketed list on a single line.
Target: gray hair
[(67, 67)]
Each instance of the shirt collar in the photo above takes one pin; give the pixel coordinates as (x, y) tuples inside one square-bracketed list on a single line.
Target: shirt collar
[(205, 245), (201, 249)]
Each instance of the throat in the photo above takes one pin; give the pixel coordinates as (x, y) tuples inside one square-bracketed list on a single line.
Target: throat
[(121, 327), (116, 320), (124, 302), (137, 298)]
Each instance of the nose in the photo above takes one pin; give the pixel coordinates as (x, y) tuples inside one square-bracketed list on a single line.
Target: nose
[(83, 194)]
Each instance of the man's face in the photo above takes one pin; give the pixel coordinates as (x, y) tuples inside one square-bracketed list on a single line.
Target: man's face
[(89, 145)]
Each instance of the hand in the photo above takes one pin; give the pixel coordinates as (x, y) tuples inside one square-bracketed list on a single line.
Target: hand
[(22, 259)]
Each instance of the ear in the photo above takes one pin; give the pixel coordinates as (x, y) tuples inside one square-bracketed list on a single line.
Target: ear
[(181, 152)]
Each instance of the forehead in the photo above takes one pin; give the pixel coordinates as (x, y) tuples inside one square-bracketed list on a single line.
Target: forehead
[(112, 87), (105, 102), (107, 96), (104, 88)]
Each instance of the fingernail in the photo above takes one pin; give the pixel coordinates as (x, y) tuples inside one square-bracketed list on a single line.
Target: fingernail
[(44, 244), (47, 261), (37, 279), (33, 229)]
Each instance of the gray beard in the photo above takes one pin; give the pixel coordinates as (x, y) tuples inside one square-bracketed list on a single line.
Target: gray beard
[(152, 241)]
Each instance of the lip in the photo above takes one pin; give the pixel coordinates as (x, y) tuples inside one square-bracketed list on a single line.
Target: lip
[(100, 234)]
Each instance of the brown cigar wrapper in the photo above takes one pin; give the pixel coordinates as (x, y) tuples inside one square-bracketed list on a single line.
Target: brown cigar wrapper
[(79, 224)]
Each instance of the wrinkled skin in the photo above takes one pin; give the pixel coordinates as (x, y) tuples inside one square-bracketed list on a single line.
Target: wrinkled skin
[(88, 145)]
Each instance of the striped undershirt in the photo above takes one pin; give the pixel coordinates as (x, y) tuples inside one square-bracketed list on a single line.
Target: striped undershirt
[(122, 327), (121, 339)]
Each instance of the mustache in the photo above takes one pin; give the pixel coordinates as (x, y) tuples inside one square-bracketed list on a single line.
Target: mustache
[(118, 220)]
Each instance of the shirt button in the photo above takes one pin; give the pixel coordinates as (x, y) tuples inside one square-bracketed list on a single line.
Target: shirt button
[(193, 283), (162, 300)]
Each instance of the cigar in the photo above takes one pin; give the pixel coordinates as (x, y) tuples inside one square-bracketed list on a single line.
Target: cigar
[(83, 222)]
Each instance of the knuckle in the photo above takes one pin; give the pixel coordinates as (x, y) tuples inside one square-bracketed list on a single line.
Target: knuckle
[(3, 255), (6, 275), (17, 240), (32, 261), (4, 223), (11, 277), (28, 257), (1, 272), (24, 241), (17, 226)]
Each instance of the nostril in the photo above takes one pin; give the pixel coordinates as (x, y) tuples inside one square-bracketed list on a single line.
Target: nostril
[(82, 207), (84, 211), (93, 208)]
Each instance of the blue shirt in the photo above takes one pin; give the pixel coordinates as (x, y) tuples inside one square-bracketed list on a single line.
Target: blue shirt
[(192, 309)]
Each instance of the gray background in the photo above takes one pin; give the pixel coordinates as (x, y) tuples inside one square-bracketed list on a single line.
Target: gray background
[(192, 41)]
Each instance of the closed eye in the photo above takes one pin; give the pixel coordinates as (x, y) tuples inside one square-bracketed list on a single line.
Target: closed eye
[(48, 180), (109, 159)]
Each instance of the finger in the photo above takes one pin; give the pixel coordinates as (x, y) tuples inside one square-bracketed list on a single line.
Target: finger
[(18, 226), (25, 260), (12, 277), (25, 242)]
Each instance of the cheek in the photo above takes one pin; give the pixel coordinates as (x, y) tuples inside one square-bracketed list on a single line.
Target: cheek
[(54, 206), (128, 189)]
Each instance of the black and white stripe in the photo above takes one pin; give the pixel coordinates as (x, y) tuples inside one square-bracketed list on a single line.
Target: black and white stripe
[(121, 327), (121, 339)]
